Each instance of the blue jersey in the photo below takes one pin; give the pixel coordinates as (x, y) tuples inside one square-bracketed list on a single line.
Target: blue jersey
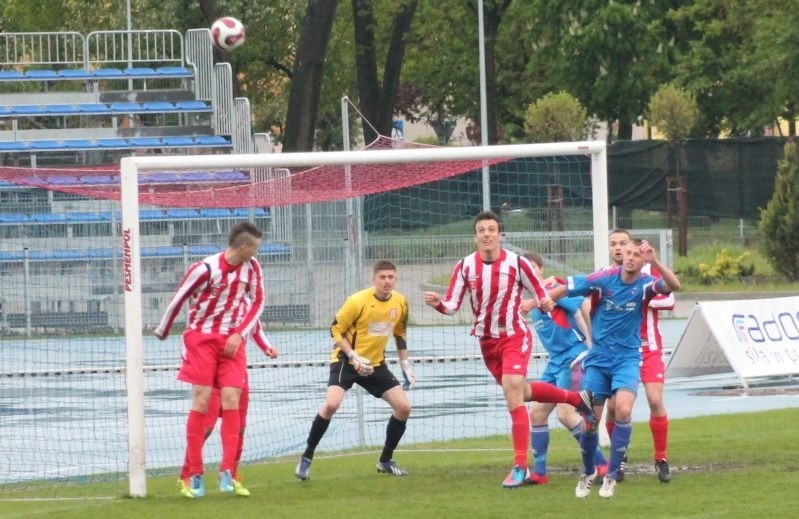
[(616, 322), (559, 333)]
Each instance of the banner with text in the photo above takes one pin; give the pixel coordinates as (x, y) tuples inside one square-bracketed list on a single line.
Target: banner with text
[(753, 337)]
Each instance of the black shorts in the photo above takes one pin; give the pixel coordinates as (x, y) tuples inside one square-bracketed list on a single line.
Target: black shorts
[(342, 374)]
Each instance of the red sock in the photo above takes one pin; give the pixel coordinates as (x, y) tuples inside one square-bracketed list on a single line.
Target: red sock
[(231, 425), (659, 425), (195, 437), (520, 432), (239, 450), (609, 426), (549, 394)]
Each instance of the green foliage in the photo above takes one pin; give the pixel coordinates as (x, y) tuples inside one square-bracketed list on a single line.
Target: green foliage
[(673, 111), (556, 117), (725, 268), (779, 221)]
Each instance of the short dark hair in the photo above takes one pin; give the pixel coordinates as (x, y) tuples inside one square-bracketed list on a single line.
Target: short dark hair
[(243, 232), (486, 215), (636, 241), (620, 231), (383, 265), (535, 258)]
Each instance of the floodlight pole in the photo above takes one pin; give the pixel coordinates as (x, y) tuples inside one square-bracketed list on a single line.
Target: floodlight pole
[(483, 104)]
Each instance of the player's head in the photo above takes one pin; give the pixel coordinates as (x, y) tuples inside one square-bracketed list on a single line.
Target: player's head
[(245, 240), (487, 232), (536, 260), (385, 277), (633, 258), (618, 240)]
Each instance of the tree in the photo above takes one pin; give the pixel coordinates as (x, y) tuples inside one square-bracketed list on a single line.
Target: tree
[(556, 117), (307, 73), (779, 221), (673, 111), (377, 97)]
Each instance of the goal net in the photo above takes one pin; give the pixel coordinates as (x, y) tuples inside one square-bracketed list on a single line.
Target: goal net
[(89, 258)]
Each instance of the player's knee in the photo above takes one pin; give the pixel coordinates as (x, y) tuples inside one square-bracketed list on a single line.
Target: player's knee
[(403, 410)]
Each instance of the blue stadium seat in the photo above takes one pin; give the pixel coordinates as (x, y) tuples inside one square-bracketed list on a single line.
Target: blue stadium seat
[(245, 212), (79, 143), (151, 214), (113, 143), (84, 217), (42, 74), (173, 72), (30, 109), (179, 142), (159, 106), (46, 145), (274, 248), (182, 213), (193, 106), (63, 180), (14, 146), (97, 108), (107, 73), (11, 75), (74, 73), (14, 218), (6, 111), (126, 107), (47, 217), (197, 176), (98, 180), (140, 72), (60, 109), (99, 254), (215, 212), (231, 176), (159, 177), (212, 140), (162, 252), (11, 256), (145, 142)]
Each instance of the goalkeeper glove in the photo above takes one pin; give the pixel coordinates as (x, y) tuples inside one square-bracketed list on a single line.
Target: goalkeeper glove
[(363, 366), (407, 374)]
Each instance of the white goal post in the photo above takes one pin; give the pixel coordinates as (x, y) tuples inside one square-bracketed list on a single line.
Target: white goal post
[(131, 243)]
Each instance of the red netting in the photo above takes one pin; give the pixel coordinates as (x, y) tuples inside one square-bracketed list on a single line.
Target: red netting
[(247, 188)]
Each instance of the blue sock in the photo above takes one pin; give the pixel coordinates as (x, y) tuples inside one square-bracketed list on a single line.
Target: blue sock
[(588, 446), (539, 439), (618, 445), (599, 458)]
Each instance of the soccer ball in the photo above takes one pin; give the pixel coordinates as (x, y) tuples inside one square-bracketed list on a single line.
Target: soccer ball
[(227, 33)]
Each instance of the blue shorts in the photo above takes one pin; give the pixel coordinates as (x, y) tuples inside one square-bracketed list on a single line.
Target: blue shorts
[(607, 371), (565, 377)]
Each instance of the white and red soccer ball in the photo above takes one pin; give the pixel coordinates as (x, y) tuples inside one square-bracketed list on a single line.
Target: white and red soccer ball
[(227, 33)]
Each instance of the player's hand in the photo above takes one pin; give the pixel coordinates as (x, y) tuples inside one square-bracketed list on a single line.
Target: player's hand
[(232, 344), (647, 252), (432, 299), (272, 352), (407, 374), (526, 305), (362, 365), (160, 335), (546, 304)]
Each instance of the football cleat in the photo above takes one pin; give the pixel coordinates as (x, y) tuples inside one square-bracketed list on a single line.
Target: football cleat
[(586, 407), (192, 487), (620, 472), (583, 487), (608, 487), (239, 489), (538, 479), (390, 467), (662, 468), (517, 477), (303, 470), (226, 481)]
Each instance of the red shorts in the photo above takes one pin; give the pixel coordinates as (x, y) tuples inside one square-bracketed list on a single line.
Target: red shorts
[(653, 369), (507, 355), (204, 363), (215, 407)]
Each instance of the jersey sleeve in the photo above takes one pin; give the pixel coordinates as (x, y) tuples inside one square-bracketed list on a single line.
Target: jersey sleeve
[(196, 277), (260, 338), (579, 286), (401, 328), (345, 319), (661, 301), (247, 324), (530, 279), (571, 304), (452, 301)]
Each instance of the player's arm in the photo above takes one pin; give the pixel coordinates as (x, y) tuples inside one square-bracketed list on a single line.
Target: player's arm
[(450, 303), (400, 339), (263, 342), (196, 277), (583, 319), (531, 281), (661, 301), (346, 318), (671, 282)]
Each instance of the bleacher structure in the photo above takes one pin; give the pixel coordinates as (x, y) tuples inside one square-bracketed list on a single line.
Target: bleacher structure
[(81, 103)]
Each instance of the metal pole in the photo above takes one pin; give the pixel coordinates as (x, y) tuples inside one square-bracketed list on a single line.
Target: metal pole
[(483, 105), (130, 41), (26, 293)]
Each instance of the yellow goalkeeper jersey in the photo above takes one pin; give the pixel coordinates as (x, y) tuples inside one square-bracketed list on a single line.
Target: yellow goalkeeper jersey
[(367, 323)]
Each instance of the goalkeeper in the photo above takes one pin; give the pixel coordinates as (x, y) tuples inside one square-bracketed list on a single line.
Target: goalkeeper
[(360, 332)]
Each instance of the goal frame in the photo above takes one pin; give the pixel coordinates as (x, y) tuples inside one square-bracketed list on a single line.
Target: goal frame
[(131, 240)]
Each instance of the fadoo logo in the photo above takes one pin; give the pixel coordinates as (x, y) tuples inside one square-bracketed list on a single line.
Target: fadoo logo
[(783, 326)]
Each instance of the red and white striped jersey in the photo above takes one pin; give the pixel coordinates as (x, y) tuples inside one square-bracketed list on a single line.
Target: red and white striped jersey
[(223, 298), (261, 339), (495, 291), (651, 338)]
